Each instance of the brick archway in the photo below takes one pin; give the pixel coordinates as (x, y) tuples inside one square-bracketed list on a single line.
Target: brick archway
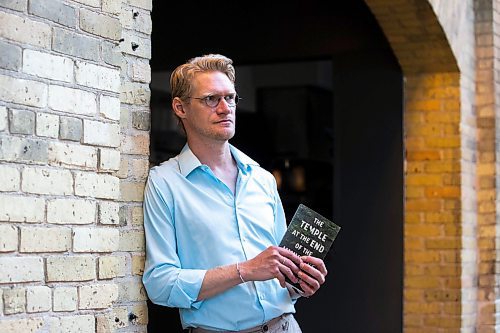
[(440, 211)]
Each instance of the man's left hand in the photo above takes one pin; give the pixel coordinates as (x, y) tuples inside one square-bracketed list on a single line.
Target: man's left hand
[(312, 275)]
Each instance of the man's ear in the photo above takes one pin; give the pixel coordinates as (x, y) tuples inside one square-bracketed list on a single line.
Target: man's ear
[(178, 107)]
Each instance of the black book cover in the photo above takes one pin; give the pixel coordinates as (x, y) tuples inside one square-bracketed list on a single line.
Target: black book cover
[(309, 234)]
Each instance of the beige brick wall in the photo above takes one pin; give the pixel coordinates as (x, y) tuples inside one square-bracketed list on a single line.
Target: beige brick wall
[(72, 164)]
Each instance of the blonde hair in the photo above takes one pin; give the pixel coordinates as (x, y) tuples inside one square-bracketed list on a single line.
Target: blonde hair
[(180, 80)]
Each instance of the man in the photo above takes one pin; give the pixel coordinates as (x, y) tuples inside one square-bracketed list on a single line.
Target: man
[(213, 219)]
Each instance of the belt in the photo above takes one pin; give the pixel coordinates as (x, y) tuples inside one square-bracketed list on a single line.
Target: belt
[(260, 328)]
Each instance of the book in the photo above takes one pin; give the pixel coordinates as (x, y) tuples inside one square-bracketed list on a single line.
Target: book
[(309, 234)]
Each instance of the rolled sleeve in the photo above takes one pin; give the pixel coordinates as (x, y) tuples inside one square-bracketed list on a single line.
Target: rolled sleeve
[(187, 287)]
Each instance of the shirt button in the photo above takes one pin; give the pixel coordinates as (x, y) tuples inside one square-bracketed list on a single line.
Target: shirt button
[(265, 328), (261, 296)]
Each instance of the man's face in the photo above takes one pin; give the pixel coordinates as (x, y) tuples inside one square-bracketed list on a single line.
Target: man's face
[(210, 123)]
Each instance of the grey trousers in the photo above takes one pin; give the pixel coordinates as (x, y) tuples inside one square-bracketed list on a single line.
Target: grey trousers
[(283, 324)]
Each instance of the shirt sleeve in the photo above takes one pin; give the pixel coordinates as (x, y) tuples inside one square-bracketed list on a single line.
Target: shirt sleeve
[(166, 282), (279, 214)]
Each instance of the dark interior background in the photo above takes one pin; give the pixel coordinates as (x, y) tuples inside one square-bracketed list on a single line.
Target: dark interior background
[(347, 142)]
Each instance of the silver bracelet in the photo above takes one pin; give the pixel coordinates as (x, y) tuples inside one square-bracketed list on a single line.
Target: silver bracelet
[(239, 273)]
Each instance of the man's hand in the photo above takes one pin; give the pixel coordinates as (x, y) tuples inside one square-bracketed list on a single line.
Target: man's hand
[(311, 277), (273, 262)]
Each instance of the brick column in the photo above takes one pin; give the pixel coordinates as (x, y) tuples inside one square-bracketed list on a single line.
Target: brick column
[(486, 185), (73, 161), (433, 41)]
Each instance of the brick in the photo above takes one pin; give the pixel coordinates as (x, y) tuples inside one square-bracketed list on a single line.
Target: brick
[(111, 267), (98, 296), (72, 155), (92, 3), (25, 92), (140, 168), (125, 119), (73, 324), (98, 77), (110, 107), (70, 128), (11, 56), (4, 116), (135, 93), (108, 322), (141, 72), (138, 20), (47, 181), (70, 268), (22, 121), (74, 44), (131, 191), (41, 239), (75, 101), (48, 66), (11, 178), (65, 299), (112, 6), (38, 299), (21, 209), (137, 216), (101, 134), (109, 159), (135, 45), (145, 4), (71, 211), (54, 10), (141, 314), (8, 239), (14, 300), (123, 171), (132, 241), (24, 325), (21, 269), (111, 53), (123, 214), (138, 264), (131, 291), (23, 30), (19, 5), (99, 24), (95, 239), (108, 212), (141, 120), (135, 144), (47, 125), (97, 185)]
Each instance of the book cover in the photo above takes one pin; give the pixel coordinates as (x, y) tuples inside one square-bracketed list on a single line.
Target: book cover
[(309, 234)]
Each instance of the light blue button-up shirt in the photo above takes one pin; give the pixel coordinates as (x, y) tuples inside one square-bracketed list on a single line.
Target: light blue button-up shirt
[(193, 223)]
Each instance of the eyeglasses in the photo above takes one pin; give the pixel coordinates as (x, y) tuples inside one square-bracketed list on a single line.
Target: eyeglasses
[(213, 100)]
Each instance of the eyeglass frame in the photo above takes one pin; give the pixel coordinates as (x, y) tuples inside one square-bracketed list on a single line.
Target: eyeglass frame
[(236, 97)]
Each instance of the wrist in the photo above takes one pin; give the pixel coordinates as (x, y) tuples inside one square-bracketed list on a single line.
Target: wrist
[(240, 273)]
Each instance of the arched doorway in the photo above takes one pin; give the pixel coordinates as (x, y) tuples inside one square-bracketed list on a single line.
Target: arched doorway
[(365, 109)]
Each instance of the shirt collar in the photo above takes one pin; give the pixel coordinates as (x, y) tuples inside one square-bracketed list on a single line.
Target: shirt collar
[(188, 161)]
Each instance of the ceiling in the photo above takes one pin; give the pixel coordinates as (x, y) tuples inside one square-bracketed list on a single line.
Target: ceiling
[(255, 32)]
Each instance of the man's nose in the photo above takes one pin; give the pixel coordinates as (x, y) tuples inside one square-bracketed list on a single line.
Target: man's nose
[(223, 107)]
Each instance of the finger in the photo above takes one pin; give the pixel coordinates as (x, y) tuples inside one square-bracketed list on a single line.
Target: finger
[(295, 267), (308, 290), (288, 272), (313, 282), (312, 272), (281, 279), (290, 255), (317, 262)]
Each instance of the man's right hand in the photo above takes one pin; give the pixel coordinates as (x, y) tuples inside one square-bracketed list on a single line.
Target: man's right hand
[(273, 262)]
